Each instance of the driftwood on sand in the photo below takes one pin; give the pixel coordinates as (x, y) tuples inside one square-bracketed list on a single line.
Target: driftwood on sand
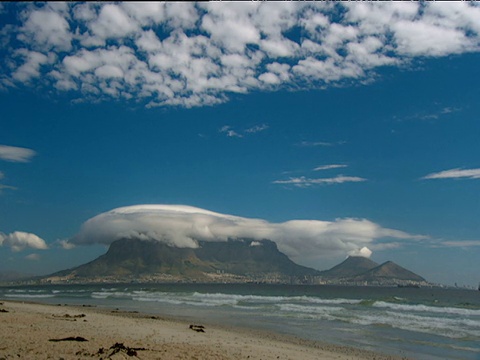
[(70, 338)]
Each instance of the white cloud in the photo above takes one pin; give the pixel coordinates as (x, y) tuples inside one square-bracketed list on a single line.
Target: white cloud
[(64, 244), (182, 226), (31, 66), (240, 134), (328, 167), (363, 252), (48, 30), (229, 132), (304, 182), (20, 240), (113, 22), (454, 174), (257, 128), (16, 154), (196, 54), (417, 38)]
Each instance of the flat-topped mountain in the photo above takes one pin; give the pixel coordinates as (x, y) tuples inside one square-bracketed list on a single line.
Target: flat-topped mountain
[(133, 258), (235, 260)]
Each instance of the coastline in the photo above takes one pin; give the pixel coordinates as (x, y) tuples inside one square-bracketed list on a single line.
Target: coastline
[(28, 329)]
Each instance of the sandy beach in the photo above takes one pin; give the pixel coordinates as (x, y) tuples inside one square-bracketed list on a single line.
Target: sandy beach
[(38, 331)]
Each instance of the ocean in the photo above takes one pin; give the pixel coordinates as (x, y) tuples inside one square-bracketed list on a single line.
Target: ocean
[(419, 323)]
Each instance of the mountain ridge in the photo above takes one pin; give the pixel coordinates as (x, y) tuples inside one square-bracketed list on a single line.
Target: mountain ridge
[(231, 261), (238, 258)]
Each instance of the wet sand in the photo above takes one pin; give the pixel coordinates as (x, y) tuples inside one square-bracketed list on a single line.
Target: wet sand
[(38, 331)]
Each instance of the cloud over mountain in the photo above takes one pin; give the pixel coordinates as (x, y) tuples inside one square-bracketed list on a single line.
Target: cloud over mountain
[(182, 226), (195, 54)]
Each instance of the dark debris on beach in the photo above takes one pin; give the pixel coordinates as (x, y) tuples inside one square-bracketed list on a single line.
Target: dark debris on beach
[(197, 328), (117, 348), (70, 338)]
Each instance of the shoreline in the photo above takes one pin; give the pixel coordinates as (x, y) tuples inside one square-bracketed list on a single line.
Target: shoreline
[(28, 329)]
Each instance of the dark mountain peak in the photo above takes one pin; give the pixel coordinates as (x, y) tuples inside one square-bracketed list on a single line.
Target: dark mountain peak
[(391, 270), (351, 266)]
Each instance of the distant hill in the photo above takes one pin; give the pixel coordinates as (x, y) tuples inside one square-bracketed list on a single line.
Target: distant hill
[(389, 271), (133, 258), (360, 270), (352, 266)]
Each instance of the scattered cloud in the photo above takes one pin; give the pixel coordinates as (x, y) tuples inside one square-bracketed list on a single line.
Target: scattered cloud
[(182, 226), (197, 54), (240, 134), (257, 128), (7, 187), (65, 244), (328, 167), (2, 186), (229, 132), (305, 182), (454, 174), (16, 154), (20, 240), (436, 115), (33, 257), (314, 143), (432, 115)]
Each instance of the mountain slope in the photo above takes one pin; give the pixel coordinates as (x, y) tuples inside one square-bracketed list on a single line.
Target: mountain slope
[(389, 271)]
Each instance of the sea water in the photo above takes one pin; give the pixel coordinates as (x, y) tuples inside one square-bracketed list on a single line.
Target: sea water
[(424, 323)]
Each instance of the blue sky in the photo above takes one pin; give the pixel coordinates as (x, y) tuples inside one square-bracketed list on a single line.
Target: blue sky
[(359, 120)]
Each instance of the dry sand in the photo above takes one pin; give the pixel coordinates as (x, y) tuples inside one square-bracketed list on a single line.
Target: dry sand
[(26, 331)]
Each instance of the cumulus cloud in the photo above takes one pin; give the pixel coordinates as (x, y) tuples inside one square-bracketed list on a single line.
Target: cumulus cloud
[(454, 174), (304, 182), (196, 54), (16, 154), (182, 226), (20, 240)]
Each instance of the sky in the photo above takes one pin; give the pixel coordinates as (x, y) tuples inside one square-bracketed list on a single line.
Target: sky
[(333, 129)]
